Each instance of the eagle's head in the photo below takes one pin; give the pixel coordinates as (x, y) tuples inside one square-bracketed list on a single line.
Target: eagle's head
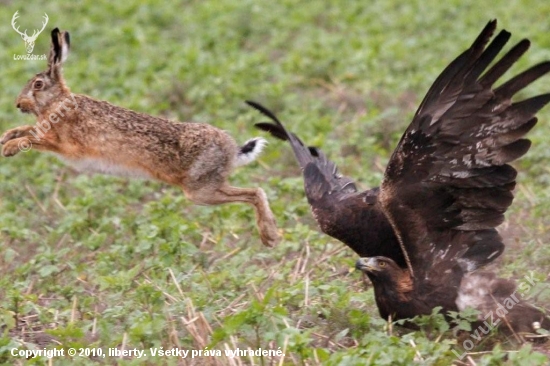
[(385, 274), (377, 266)]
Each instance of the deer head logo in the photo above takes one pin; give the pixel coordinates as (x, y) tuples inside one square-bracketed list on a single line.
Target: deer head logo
[(29, 40)]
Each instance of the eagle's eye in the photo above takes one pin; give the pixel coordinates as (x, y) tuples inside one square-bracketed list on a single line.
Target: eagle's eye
[(38, 85), (381, 264)]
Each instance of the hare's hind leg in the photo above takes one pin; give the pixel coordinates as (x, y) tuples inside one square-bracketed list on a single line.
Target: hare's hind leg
[(267, 225)]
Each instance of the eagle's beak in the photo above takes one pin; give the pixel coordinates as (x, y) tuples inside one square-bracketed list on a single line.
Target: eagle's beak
[(366, 264)]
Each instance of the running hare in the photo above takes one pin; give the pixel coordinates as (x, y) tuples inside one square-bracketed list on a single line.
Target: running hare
[(96, 136)]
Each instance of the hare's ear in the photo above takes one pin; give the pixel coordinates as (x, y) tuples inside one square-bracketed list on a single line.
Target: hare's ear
[(59, 50)]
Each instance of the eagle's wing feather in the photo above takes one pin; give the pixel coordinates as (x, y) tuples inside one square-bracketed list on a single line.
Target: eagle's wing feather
[(322, 176), (448, 182)]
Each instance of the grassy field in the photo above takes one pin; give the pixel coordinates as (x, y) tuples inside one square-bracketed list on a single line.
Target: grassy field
[(104, 262)]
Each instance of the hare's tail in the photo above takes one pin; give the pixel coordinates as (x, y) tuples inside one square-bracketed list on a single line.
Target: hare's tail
[(250, 151)]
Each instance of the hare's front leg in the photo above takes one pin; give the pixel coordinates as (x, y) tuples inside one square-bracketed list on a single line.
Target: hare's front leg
[(16, 133), (25, 143)]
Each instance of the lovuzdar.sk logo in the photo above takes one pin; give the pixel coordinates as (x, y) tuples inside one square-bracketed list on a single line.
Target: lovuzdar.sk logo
[(29, 40)]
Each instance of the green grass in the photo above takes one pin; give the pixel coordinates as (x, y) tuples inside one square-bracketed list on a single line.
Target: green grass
[(97, 261)]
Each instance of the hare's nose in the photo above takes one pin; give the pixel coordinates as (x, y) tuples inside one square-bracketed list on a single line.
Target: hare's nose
[(18, 105)]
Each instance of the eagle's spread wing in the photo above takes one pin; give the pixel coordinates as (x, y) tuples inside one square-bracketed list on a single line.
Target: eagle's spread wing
[(448, 182), (353, 217)]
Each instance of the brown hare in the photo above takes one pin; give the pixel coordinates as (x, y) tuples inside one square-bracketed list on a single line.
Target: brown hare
[(96, 136)]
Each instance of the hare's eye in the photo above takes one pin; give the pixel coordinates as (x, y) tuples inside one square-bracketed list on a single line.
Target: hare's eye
[(38, 84)]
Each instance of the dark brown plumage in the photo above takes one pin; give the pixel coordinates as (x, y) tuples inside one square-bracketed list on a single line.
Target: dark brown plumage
[(355, 218), (445, 189)]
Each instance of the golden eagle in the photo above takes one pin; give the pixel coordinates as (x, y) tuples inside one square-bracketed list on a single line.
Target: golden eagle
[(445, 189)]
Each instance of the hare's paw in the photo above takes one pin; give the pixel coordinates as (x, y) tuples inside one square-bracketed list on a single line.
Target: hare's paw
[(268, 231), (270, 239), (13, 147), (14, 133)]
